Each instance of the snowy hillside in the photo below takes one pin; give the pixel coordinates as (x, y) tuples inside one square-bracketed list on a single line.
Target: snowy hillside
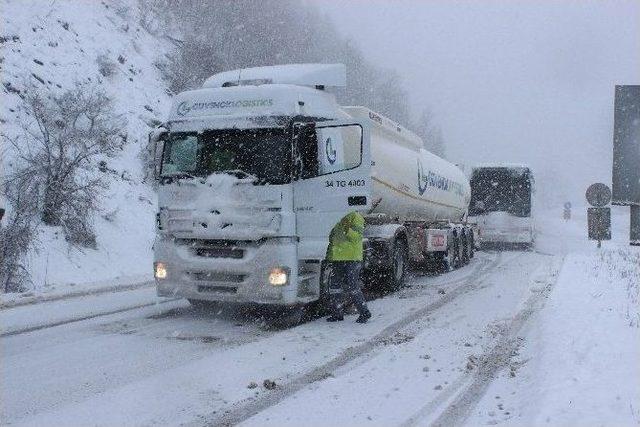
[(52, 45)]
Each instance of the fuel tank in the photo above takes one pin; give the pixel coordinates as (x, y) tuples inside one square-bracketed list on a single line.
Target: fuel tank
[(409, 182)]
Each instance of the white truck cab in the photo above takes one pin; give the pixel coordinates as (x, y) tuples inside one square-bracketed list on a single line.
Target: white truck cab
[(244, 206)]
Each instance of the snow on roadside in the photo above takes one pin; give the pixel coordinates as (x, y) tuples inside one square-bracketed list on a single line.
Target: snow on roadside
[(51, 46), (581, 351), (72, 290)]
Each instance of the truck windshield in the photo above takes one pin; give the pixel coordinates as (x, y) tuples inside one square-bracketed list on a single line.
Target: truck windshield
[(501, 190), (263, 153)]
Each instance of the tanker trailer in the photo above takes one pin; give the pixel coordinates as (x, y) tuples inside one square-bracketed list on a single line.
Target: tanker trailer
[(257, 166), (419, 205)]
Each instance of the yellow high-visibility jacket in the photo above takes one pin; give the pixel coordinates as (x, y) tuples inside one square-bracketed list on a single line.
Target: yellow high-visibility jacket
[(345, 240)]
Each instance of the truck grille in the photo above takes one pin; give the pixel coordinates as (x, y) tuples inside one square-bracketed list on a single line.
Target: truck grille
[(213, 248), (214, 276), (218, 289), (219, 252)]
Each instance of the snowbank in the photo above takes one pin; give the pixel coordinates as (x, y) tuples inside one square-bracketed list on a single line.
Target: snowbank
[(585, 349), (580, 354)]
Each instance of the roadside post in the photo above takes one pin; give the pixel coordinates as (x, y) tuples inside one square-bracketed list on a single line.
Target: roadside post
[(599, 217), (567, 211)]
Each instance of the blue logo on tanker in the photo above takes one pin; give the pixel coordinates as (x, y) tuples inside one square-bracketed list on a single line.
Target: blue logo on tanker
[(432, 179), (186, 107), (332, 154)]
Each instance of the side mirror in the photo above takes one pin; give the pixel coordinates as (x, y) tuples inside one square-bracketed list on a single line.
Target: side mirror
[(305, 161), (157, 137)]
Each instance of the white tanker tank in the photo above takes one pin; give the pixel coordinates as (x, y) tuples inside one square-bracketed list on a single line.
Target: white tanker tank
[(409, 182)]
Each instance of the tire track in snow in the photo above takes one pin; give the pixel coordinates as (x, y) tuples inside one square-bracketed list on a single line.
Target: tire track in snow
[(492, 362), (248, 409)]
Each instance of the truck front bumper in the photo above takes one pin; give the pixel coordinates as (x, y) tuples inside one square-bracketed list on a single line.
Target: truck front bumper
[(228, 271)]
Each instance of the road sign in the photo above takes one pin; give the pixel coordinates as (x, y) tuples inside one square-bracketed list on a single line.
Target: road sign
[(598, 194), (599, 223), (625, 175), (626, 146)]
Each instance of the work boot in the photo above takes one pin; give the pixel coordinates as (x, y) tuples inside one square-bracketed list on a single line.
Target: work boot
[(335, 318), (364, 317)]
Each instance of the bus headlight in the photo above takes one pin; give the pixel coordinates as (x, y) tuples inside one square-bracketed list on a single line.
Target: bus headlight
[(160, 270), (278, 276)]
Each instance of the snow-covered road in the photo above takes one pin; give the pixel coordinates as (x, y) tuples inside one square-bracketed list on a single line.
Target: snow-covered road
[(170, 364)]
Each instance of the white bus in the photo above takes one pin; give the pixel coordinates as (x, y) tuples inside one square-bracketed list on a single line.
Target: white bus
[(501, 204)]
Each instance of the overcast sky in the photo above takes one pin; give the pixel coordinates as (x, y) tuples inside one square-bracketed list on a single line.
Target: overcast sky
[(512, 80)]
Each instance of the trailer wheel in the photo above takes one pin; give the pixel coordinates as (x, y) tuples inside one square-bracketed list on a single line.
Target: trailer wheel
[(450, 258), (464, 249), (396, 275)]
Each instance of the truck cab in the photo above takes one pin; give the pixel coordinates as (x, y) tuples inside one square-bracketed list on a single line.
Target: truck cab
[(254, 170)]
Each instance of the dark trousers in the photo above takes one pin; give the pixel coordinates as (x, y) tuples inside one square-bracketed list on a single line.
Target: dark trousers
[(345, 282)]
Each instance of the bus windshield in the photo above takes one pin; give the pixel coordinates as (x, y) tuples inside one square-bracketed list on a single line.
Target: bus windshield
[(501, 190)]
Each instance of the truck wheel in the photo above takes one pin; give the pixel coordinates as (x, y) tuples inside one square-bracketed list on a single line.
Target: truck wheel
[(321, 306), (278, 317), (203, 305), (397, 273), (464, 250), (450, 258)]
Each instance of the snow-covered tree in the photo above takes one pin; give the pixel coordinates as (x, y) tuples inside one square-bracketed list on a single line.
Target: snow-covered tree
[(57, 154)]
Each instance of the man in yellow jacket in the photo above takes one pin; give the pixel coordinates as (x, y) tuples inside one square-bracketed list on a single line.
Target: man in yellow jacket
[(345, 255)]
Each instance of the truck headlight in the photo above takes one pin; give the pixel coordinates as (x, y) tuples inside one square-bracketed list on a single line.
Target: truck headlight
[(160, 270), (278, 276)]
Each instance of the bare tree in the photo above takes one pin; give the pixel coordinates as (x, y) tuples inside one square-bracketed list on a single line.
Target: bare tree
[(430, 132), (106, 66), (152, 15), (17, 231), (58, 155)]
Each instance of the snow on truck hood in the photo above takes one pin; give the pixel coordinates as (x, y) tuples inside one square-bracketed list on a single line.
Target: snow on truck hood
[(273, 100), (222, 206)]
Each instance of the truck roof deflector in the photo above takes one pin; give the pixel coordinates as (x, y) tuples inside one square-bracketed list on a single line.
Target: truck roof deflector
[(334, 75)]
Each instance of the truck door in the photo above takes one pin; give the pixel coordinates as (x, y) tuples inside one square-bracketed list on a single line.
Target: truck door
[(333, 177)]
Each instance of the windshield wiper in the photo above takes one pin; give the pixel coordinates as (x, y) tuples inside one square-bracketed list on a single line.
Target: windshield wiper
[(238, 173), (172, 176)]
